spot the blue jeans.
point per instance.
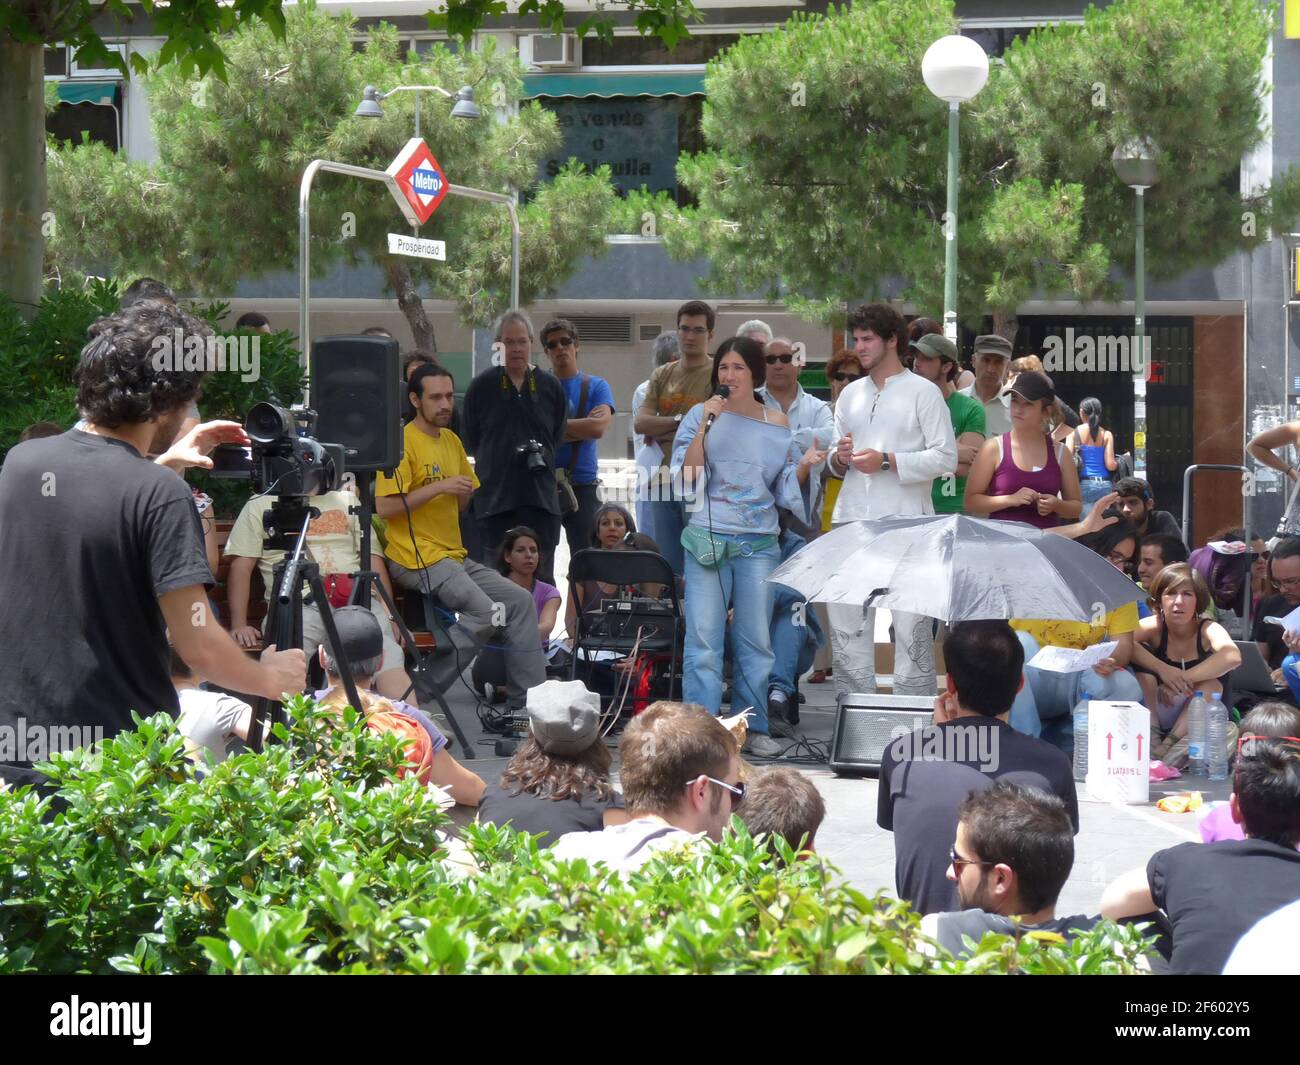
(740, 583)
(1291, 674)
(1092, 489)
(669, 519)
(796, 632)
(1043, 706)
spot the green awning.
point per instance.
(683, 83)
(89, 92)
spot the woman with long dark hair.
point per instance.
(517, 559)
(739, 462)
(1094, 451)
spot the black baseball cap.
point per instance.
(359, 633)
(1032, 386)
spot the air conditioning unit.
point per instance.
(554, 49)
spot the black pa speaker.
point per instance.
(356, 391)
(866, 724)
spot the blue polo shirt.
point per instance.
(598, 394)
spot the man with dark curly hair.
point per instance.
(101, 553)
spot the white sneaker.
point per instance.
(762, 746)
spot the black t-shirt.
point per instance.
(1213, 893)
(1273, 606)
(528, 813)
(949, 928)
(924, 777)
(498, 419)
(1164, 523)
(91, 534)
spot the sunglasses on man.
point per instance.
(737, 790)
(958, 861)
(559, 342)
(787, 358)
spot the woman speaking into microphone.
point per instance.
(737, 462)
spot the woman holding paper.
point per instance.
(1177, 652)
(1055, 684)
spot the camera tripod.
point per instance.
(286, 526)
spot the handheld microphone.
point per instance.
(724, 391)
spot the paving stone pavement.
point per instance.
(1112, 839)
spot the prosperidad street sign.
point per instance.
(420, 182)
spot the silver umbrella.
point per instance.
(957, 568)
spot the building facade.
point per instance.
(1221, 337)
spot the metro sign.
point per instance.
(418, 183)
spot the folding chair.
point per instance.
(629, 622)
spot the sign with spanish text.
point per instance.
(1119, 752)
(417, 247)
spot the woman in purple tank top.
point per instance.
(1018, 477)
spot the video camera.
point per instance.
(285, 459)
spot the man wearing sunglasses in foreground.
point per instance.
(680, 773)
(1012, 856)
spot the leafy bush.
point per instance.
(38, 358)
(313, 857)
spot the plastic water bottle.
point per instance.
(1197, 711)
(1216, 738)
(1081, 736)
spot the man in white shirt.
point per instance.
(992, 360)
(893, 437)
(680, 772)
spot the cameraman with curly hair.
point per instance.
(101, 551)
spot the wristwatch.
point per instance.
(884, 462)
(677, 418)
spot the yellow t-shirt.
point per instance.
(426, 459)
(334, 538)
(1079, 634)
(832, 486)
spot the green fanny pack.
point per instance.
(710, 550)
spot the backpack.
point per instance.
(1225, 575)
(415, 740)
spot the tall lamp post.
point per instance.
(1136, 163)
(955, 69)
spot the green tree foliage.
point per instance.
(221, 204)
(193, 37)
(825, 177)
(313, 857)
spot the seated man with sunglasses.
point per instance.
(681, 782)
(1013, 854)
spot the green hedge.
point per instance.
(312, 857)
(38, 358)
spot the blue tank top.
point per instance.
(1094, 461)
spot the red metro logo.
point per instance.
(420, 182)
